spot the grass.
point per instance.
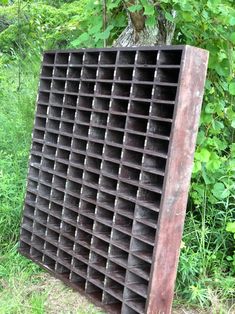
(25, 288)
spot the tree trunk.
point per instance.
(137, 33)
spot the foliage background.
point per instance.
(207, 263)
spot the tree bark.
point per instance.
(137, 33)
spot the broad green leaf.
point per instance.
(219, 191)
(203, 155)
(149, 10)
(230, 227)
(232, 37)
(169, 17)
(135, 8)
(231, 88)
(81, 39)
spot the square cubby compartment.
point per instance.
(83, 116)
(65, 258)
(38, 134)
(108, 57)
(167, 93)
(55, 112)
(85, 102)
(62, 270)
(103, 88)
(30, 197)
(38, 242)
(68, 114)
(53, 223)
(137, 124)
(81, 252)
(105, 73)
(47, 71)
(96, 277)
(72, 86)
(91, 57)
(149, 199)
(89, 73)
(44, 190)
(117, 121)
(123, 223)
(101, 103)
(35, 160)
(62, 58)
(60, 72)
(147, 216)
(78, 159)
(132, 157)
(142, 91)
(94, 291)
(104, 215)
(157, 145)
(68, 230)
(41, 109)
(83, 237)
(57, 99)
(115, 136)
(78, 280)
(134, 140)
(90, 177)
(152, 180)
(96, 133)
(142, 250)
(170, 57)
(58, 85)
(37, 147)
(160, 128)
(108, 183)
(122, 89)
(130, 174)
(167, 75)
(49, 57)
(137, 284)
(97, 261)
(118, 256)
(119, 105)
(39, 229)
(113, 152)
(114, 288)
(53, 124)
(70, 100)
(33, 172)
(57, 195)
(87, 208)
(126, 57)
(32, 185)
(116, 272)
(63, 154)
(93, 163)
(126, 208)
(139, 108)
(99, 118)
(124, 74)
(27, 223)
(100, 246)
(79, 145)
(110, 167)
(74, 73)
(120, 239)
(66, 127)
(48, 163)
(163, 111)
(70, 216)
(29, 210)
(61, 168)
(134, 303)
(46, 177)
(73, 187)
(38, 256)
(75, 173)
(66, 244)
(139, 267)
(89, 193)
(144, 74)
(81, 130)
(106, 199)
(45, 84)
(80, 267)
(65, 140)
(76, 58)
(56, 209)
(95, 148)
(40, 122)
(102, 231)
(144, 232)
(72, 201)
(43, 97)
(147, 57)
